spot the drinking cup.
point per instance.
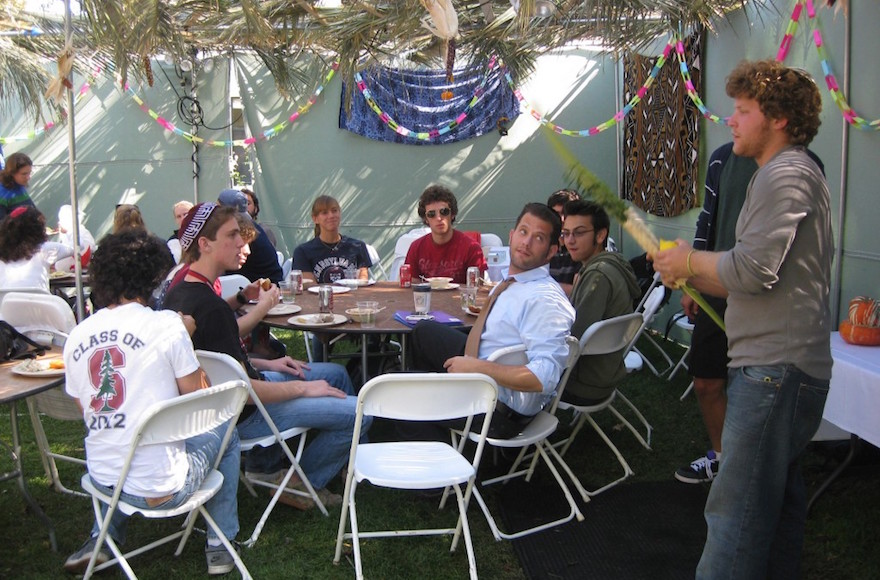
(288, 292)
(468, 297)
(367, 310)
(422, 298)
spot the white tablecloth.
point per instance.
(854, 399)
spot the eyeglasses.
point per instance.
(445, 212)
(578, 233)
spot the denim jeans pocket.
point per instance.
(766, 375)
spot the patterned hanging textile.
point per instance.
(661, 135)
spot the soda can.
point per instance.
(473, 276)
(325, 298)
(405, 276)
(296, 280)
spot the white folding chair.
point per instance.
(535, 434)
(490, 241)
(164, 422)
(377, 262)
(651, 303)
(602, 337)
(230, 284)
(417, 464)
(286, 267)
(26, 290)
(402, 247)
(221, 367)
(498, 260)
(32, 313)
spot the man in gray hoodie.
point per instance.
(605, 287)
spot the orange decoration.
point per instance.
(859, 335)
(864, 311)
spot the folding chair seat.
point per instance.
(602, 337)
(535, 434)
(39, 312)
(165, 422)
(417, 464)
(221, 367)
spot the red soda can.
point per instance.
(405, 276)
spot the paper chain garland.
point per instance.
(264, 135)
(849, 114)
(433, 133)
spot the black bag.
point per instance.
(15, 346)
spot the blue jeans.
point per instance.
(201, 452)
(757, 505)
(328, 449)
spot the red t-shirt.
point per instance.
(451, 259)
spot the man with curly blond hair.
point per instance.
(776, 279)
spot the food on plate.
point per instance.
(56, 364)
(474, 309)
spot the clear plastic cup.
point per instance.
(367, 310)
(468, 297)
(422, 298)
(288, 292)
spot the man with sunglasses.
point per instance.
(445, 251)
(605, 287)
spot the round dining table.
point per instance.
(391, 299)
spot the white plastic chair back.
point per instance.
(164, 422)
(286, 267)
(280, 257)
(32, 311)
(490, 240)
(231, 283)
(221, 367)
(26, 289)
(176, 250)
(377, 263)
(417, 464)
(402, 247)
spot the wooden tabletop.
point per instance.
(389, 295)
(14, 386)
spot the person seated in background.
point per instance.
(605, 287)
(262, 261)
(65, 236)
(253, 210)
(329, 255)
(562, 267)
(151, 355)
(445, 251)
(14, 179)
(179, 210)
(25, 252)
(128, 218)
(318, 396)
(530, 309)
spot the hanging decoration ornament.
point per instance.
(689, 84)
(263, 136)
(445, 26)
(618, 116)
(837, 96)
(61, 81)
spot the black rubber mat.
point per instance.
(641, 530)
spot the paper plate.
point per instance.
(336, 289)
(450, 286)
(281, 309)
(317, 320)
(36, 368)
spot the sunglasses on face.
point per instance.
(445, 212)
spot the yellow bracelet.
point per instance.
(690, 270)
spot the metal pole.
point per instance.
(836, 281)
(71, 165)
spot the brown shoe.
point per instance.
(305, 503)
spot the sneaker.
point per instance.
(700, 470)
(219, 559)
(79, 560)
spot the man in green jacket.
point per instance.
(605, 287)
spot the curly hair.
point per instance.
(562, 197)
(128, 218)
(254, 200)
(433, 194)
(22, 234)
(781, 93)
(128, 265)
(13, 164)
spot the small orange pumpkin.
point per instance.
(858, 334)
(864, 311)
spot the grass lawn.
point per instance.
(840, 543)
